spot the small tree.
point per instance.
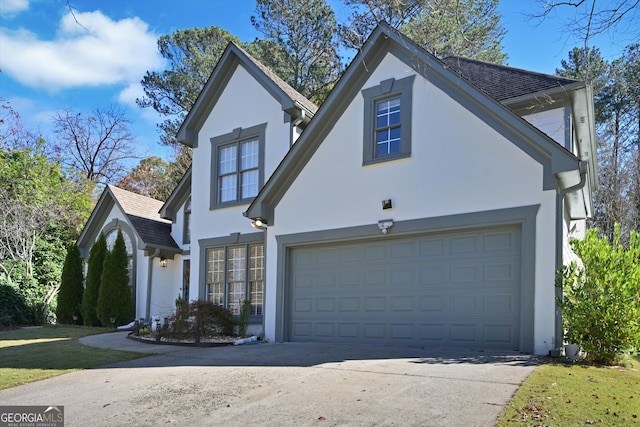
(71, 287)
(114, 300)
(94, 273)
(601, 299)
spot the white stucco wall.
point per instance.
(234, 109)
(551, 122)
(458, 165)
(167, 284)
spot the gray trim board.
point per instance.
(387, 89)
(177, 197)
(524, 216)
(98, 216)
(232, 239)
(186, 226)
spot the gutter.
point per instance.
(559, 245)
(147, 312)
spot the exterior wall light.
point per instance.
(384, 225)
(259, 223)
(163, 262)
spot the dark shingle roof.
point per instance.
(153, 233)
(143, 212)
(502, 82)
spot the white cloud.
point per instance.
(93, 51)
(129, 94)
(10, 8)
(128, 97)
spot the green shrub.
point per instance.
(601, 299)
(71, 287)
(13, 307)
(94, 273)
(114, 298)
(200, 319)
(243, 320)
(144, 332)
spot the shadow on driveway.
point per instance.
(301, 354)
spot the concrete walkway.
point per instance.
(289, 384)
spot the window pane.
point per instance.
(256, 275)
(236, 264)
(228, 189)
(228, 159)
(387, 113)
(111, 240)
(257, 292)
(256, 262)
(236, 296)
(394, 112)
(215, 276)
(249, 183)
(216, 293)
(249, 155)
(215, 265)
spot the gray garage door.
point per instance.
(449, 289)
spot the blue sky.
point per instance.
(49, 62)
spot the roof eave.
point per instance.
(555, 158)
(230, 59)
(105, 203)
(533, 99)
(169, 208)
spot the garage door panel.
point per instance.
(459, 288)
(500, 303)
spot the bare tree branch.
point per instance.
(96, 145)
(595, 17)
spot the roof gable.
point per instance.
(137, 204)
(142, 213)
(384, 40)
(291, 101)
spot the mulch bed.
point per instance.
(216, 342)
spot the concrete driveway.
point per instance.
(289, 384)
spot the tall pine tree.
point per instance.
(94, 273)
(71, 287)
(114, 300)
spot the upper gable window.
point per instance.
(387, 120)
(237, 166)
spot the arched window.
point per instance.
(111, 239)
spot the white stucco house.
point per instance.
(426, 202)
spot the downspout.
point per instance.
(147, 313)
(560, 245)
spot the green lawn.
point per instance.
(558, 394)
(28, 355)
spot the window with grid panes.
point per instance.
(387, 120)
(234, 274)
(237, 166)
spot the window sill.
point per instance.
(384, 159)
